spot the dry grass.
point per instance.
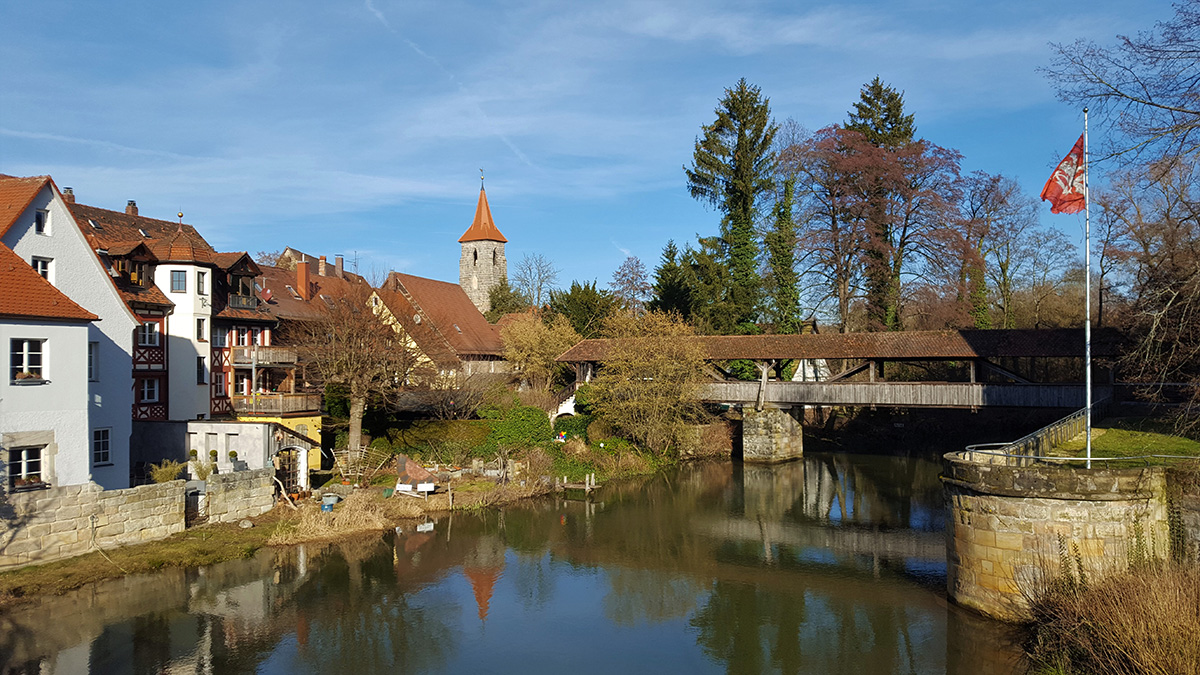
(1144, 621)
(360, 512)
(166, 471)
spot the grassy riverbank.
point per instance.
(1131, 437)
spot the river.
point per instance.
(832, 564)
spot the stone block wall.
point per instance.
(771, 435)
(240, 494)
(1008, 527)
(46, 525)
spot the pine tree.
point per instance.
(731, 167)
(781, 258)
(879, 117)
(671, 292)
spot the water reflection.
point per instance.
(832, 564)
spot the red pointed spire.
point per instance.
(483, 228)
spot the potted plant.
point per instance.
(26, 375)
(233, 455)
(193, 455)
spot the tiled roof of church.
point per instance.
(27, 294)
(483, 228)
(452, 313)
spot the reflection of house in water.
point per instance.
(483, 567)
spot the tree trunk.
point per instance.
(357, 405)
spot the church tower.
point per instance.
(482, 265)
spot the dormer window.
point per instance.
(143, 233)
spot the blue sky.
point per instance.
(360, 127)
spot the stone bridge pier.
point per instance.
(771, 434)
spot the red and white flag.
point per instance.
(1065, 190)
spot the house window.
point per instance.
(201, 288)
(201, 333)
(201, 371)
(149, 391)
(178, 281)
(218, 383)
(26, 359)
(93, 368)
(100, 447)
(41, 221)
(25, 466)
(258, 336)
(138, 275)
(41, 266)
(147, 334)
(243, 337)
(220, 336)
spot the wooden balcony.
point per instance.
(276, 404)
(266, 356)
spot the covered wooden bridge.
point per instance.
(993, 368)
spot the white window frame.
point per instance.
(218, 379)
(201, 329)
(93, 364)
(41, 222)
(179, 281)
(148, 329)
(43, 266)
(147, 389)
(102, 446)
(201, 370)
(220, 336)
(22, 364)
(201, 286)
(20, 465)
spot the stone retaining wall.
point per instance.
(771, 435)
(45, 525)
(240, 494)
(1008, 527)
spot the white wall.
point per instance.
(186, 399)
(54, 412)
(77, 272)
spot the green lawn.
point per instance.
(1131, 437)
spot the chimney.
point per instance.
(338, 262)
(131, 208)
(68, 195)
(302, 278)
(321, 267)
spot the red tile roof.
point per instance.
(170, 242)
(16, 194)
(451, 312)
(428, 339)
(483, 228)
(908, 345)
(285, 305)
(27, 295)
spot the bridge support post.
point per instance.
(771, 435)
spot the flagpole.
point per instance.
(1087, 292)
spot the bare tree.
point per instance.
(349, 346)
(534, 277)
(1147, 86)
(631, 284)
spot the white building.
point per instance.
(38, 226)
(45, 435)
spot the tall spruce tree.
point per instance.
(879, 117)
(781, 260)
(731, 167)
(671, 292)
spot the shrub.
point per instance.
(201, 470)
(165, 471)
(520, 426)
(574, 426)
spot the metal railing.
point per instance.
(242, 301)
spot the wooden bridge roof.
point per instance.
(893, 346)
